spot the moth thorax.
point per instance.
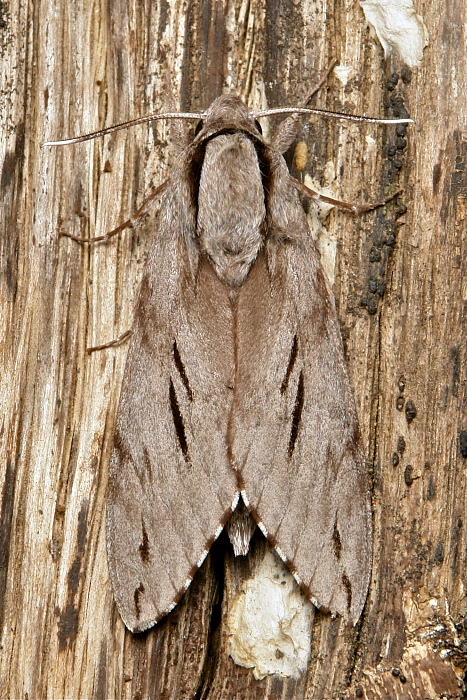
(240, 528)
(231, 208)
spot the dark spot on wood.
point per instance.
(6, 519)
(181, 370)
(456, 369)
(336, 542)
(67, 627)
(68, 621)
(8, 169)
(400, 403)
(395, 459)
(348, 588)
(82, 526)
(410, 411)
(408, 475)
(401, 445)
(462, 445)
(101, 684)
(430, 489)
(454, 548)
(178, 423)
(436, 177)
(73, 577)
(438, 556)
(406, 75)
(136, 596)
(290, 366)
(297, 415)
(144, 546)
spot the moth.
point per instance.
(235, 397)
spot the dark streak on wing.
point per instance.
(178, 422)
(293, 357)
(136, 597)
(336, 541)
(181, 371)
(297, 415)
(144, 546)
(122, 450)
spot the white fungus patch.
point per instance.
(398, 27)
(343, 74)
(270, 623)
(318, 213)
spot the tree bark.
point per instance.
(399, 280)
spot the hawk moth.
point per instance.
(235, 393)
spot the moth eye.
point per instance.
(258, 126)
(199, 126)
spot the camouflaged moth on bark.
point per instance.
(235, 396)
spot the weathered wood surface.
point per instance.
(68, 68)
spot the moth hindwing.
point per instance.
(235, 383)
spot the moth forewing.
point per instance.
(169, 458)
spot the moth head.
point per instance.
(227, 113)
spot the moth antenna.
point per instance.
(125, 125)
(326, 113)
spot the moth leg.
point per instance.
(111, 343)
(354, 208)
(287, 130)
(129, 223)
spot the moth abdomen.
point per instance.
(240, 528)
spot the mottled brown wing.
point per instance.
(294, 431)
(171, 486)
